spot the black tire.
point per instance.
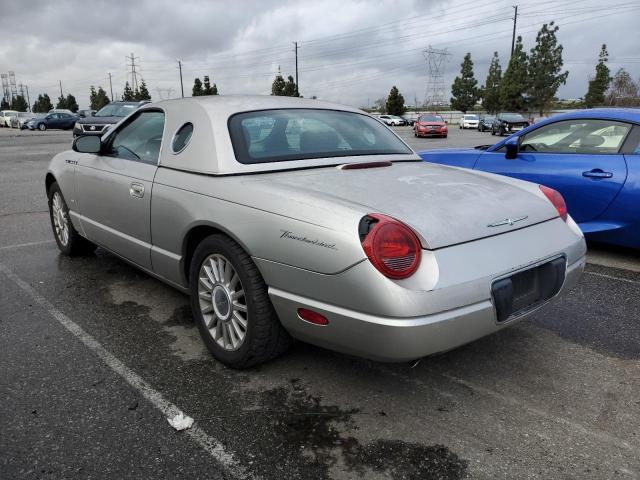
(493, 132)
(265, 337)
(42, 127)
(76, 243)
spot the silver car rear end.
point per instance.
(448, 302)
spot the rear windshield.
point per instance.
(430, 118)
(299, 134)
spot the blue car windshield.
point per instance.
(300, 134)
(116, 110)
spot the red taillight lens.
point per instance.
(392, 247)
(556, 199)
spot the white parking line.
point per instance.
(211, 445)
(30, 244)
(611, 277)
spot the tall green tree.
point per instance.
(71, 102)
(491, 93)
(62, 102)
(143, 92)
(42, 104)
(515, 81)
(20, 104)
(395, 102)
(4, 105)
(197, 89)
(208, 88)
(97, 99)
(278, 85)
(599, 84)
(128, 94)
(290, 87)
(464, 91)
(545, 68)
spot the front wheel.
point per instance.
(231, 306)
(69, 241)
(42, 127)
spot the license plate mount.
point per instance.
(524, 290)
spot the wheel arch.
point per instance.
(195, 235)
(49, 180)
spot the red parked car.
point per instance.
(430, 125)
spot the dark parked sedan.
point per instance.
(507, 123)
(64, 121)
(485, 123)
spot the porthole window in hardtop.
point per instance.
(182, 137)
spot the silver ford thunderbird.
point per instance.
(288, 218)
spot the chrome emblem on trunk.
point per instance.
(507, 221)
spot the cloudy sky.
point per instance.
(349, 51)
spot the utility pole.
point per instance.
(181, 84)
(296, 50)
(28, 100)
(111, 87)
(61, 95)
(513, 36)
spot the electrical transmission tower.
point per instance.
(133, 73)
(5, 87)
(12, 85)
(165, 93)
(436, 62)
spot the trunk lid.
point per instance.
(444, 205)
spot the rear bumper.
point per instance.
(399, 339)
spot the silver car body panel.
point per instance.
(301, 229)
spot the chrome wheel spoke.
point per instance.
(239, 307)
(240, 321)
(207, 309)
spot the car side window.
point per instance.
(139, 139)
(584, 136)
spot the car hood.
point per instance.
(99, 120)
(444, 205)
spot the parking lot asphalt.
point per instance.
(94, 355)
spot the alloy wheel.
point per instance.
(60, 219)
(222, 301)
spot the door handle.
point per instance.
(597, 173)
(136, 190)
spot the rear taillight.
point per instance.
(392, 247)
(556, 199)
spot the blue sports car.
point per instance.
(592, 157)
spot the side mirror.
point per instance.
(512, 146)
(87, 144)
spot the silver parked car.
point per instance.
(284, 217)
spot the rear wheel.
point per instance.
(69, 241)
(231, 306)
